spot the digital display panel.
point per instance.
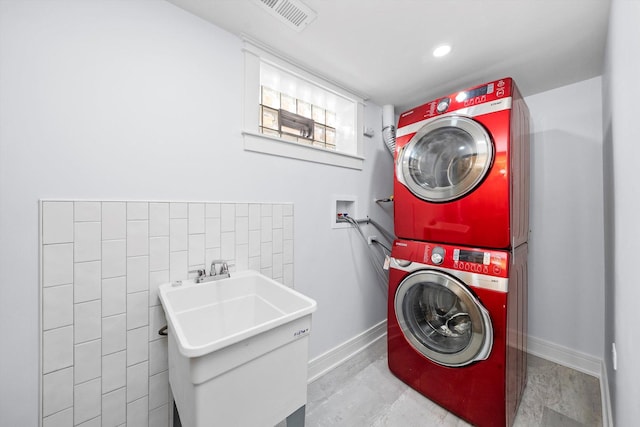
(477, 92)
(471, 256)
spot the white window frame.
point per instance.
(254, 140)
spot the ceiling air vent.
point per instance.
(292, 12)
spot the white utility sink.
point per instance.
(238, 349)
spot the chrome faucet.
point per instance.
(214, 274)
(224, 268)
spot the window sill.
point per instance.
(254, 141)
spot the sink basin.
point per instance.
(235, 344)
(208, 316)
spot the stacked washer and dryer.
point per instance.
(457, 314)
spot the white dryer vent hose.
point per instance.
(389, 128)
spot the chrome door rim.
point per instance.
(482, 163)
(480, 344)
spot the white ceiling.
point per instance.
(381, 49)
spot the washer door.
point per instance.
(446, 159)
(442, 319)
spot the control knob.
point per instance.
(437, 255)
(443, 104)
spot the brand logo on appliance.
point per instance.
(301, 332)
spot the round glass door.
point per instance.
(442, 319)
(446, 159)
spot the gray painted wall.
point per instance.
(621, 154)
(566, 268)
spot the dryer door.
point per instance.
(442, 319)
(446, 159)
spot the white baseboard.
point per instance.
(565, 356)
(607, 413)
(561, 355)
(322, 364)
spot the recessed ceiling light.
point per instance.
(441, 50)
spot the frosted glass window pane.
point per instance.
(270, 98)
(304, 109)
(269, 118)
(330, 137)
(318, 114)
(331, 119)
(319, 133)
(288, 103)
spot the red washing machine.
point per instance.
(462, 169)
(457, 325)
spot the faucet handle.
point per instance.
(200, 272)
(224, 267)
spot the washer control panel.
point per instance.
(477, 261)
(474, 260)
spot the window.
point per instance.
(295, 120)
(293, 113)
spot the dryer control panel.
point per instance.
(473, 260)
(488, 92)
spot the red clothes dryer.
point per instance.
(462, 169)
(457, 324)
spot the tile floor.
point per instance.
(363, 393)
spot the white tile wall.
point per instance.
(114, 371)
(86, 281)
(159, 417)
(103, 362)
(57, 260)
(57, 390)
(57, 306)
(114, 220)
(57, 349)
(87, 321)
(87, 241)
(87, 361)
(57, 222)
(114, 407)
(138, 412)
(114, 296)
(114, 333)
(87, 400)
(59, 419)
